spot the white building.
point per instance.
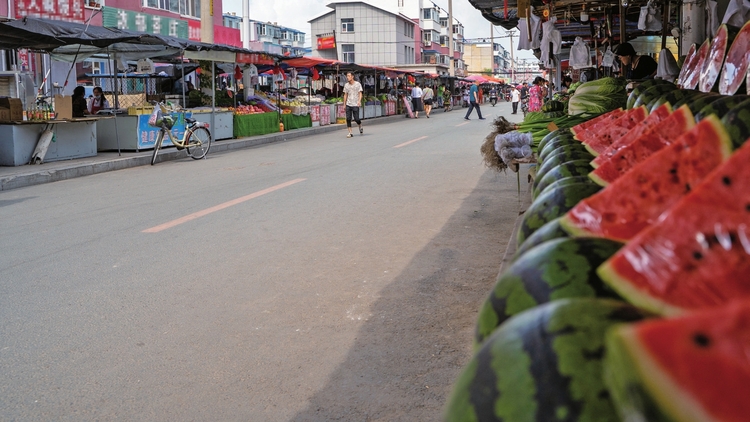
(270, 37)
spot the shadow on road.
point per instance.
(408, 354)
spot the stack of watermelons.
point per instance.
(628, 297)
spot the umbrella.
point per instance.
(478, 78)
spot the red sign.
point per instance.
(23, 58)
(254, 58)
(315, 113)
(64, 10)
(325, 115)
(325, 43)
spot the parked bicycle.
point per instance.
(196, 140)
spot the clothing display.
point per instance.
(550, 34)
(536, 37)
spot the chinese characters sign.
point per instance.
(143, 22)
(64, 10)
(325, 43)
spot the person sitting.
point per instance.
(98, 102)
(79, 102)
(633, 65)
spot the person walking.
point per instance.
(474, 101)
(446, 99)
(515, 97)
(416, 100)
(428, 97)
(536, 94)
(352, 101)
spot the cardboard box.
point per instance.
(4, 114)
(63, 107)
(15, 106)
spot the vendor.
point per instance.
(98, 102)
(634, 66)
(79, 102)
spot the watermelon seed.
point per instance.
(701, 340)
(747, 207)
(726, 180)
(687, 187)
(697, 255)
(671, 171)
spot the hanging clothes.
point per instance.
(712, 18)
(536, 32)
(580, 54)
(738, 12)
(550, 34)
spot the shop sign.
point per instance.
(147, 134)
(315, 113)
(62, 10)
(143, 22)
(255, 58)
(194, 30)
(23, 58)
(325, 115)
(326, 43)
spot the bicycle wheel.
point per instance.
(198, 142)
(157, 145)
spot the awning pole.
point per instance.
(117, 105)
(213, 98)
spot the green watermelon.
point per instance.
(653, 93)
(553, 105)
(691, 368)
(598, 142)
(557, 143)
(675, 98)
(721, 106)
(557, 269)
(570, 180)
(562, 154)
(696, 255)
(697, 103)
(544, 364)
(597, 122)
(636, 199)
(643, 86)
(620, 161)
(550, 231)
(554, 134)
(567, 169)
(736, 123)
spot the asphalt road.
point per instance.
(318, 279)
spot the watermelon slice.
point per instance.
(636, 200)
(692, 368)
(736, 63)
(599, 121)
(715, 59)
(686, 66)
(597, 142)
(693, 75)
(660, 114)
(697, 255)
(659, 136)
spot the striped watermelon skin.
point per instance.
(550, 231)
(676, 98)
(544, 364)
(558, 269)
(567, 169)
(691, 368)
(565, 181)
(640, 149)
(637, 199)
(557, 143)
(643, 86)
(721, 106)
(561, 155)
(565, 132)
(708, 237)
(653, 93)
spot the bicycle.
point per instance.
(196, 140)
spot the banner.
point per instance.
(327, 42)
(254, 58)
(143, 22)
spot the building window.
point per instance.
(347, 25)
(409, 29)
(444, 22)
(93, 4)
(261, 29)
(443, 40)
(347, 53)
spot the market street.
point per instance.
(318, 279)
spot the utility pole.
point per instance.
(451, 68)
(512, 59)
(492, 48)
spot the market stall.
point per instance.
(75, 138)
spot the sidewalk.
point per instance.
(29, 175)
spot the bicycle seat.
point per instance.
(190, 120)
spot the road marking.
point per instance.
(464, 123)
(409, 142)
(219, 207)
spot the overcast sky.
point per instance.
(296, 14)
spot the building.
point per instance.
(480, 58)
(413, 38)
(270, 37)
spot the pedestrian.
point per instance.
(474, 101)
(515, 97)
(524, 90)
(352, 101)
(446, 99)
(536, 93)
(439, 96)
(416, 100)
(428, 97)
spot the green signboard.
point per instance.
(143, 22)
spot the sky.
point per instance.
(296, 14)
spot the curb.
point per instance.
(38, 174)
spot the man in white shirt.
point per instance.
(515, 97)
(416, 100)
(352, 101)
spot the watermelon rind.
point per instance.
(567, 169)
(562, 155)
(625, 289)
(653, 93)
(564, 182)
(720, 107)
(550, 231)
(553, 144)
(736, 123)
(637, 91)
(639, 387)
(552, 135)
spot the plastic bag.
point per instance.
(667, 68)
(649, 18)
(513, 145)
(609, 58)
(580, 55)
(156, 117)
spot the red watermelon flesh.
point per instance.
(597, 121)
(636, 199)
(686, 65)
(691, 368)
(715, 58)
(659, 136)
(659, 115)
(693, 75)
(603, 138)
(698, 254)
(736, 63)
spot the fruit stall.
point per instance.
(623, 295)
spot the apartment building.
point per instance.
(270, 37)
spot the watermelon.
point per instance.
(638, 90)
(636, 199)
(653, 93)
(550, 231)
(736, 123)
(544, 364)
(687, 65)
(598, 142)
(622, 160)
(709, 78)
(567, 169)
(674, 97)
(699, 102)
(653, 118)
(554, 144)
(721, 106)
(597, 122)
(557, 269)
(692, 78)
(552, 135)
(551, 204)
(566, 181)
(696, 255)
(736, 63)
(691, 368)
(562, 154)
